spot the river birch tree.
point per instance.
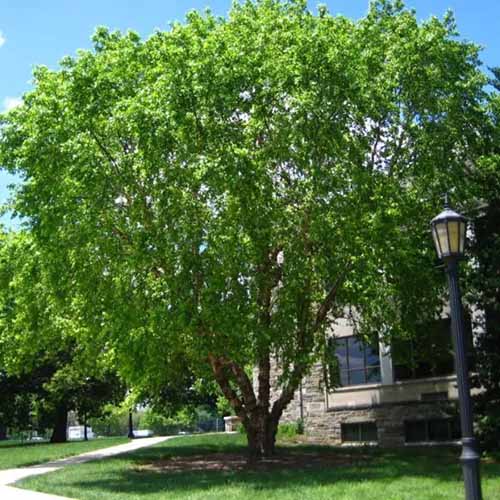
(223, 191)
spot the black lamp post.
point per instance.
(448, 231)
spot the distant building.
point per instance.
(77, 432)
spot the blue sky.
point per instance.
(42, 32)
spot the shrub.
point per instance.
(300, 426)
(488, 430)
(288, 430)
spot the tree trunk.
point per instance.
(261, 430)
(269, 444)
(3, 432)
(254, 440)
(260, 423)
(59, 434)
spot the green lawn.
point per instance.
(18, 454)
(416, 474)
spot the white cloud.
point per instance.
(11, 103)
(2, 39)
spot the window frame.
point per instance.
(416, 365)
(366, 367)
(451, 422)
(358, 426)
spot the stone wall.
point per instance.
(389, 419)
(322, 420)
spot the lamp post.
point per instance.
(448, 232)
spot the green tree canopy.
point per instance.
(48, 369)
(483, 278)
(220, 193)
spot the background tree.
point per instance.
(16, 398)
(95, 393)
(72, 389)
(46, 369)
(484, 278)
(222, 192)
(185, 392)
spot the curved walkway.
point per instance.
(10, 476)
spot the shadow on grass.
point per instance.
(5, 445)
(382, 467)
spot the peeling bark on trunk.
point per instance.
(269, 444)
(254, 442)
(260, 423)
(261, 429)
(60, 425)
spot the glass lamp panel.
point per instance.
(454, 235)
(462, 236)
(436, 241)
(442, 235)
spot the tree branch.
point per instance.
(105, 152)
(264, 377)
(272, 274)
(327, 304)
(245, 385)
(287, 394)
(223, 381)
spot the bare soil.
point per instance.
(230, 462)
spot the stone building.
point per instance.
(395, 395)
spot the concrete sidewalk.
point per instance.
(10, 476)
(8, 493)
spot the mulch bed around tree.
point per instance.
(238, 462)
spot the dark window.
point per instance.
(353, 362)
(359, 432)
(456, 431)
(428, 354)
(416, 432)
(436, 429)
(434, 396)
(439, 430)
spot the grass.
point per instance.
(416, 474)
(20, 454)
